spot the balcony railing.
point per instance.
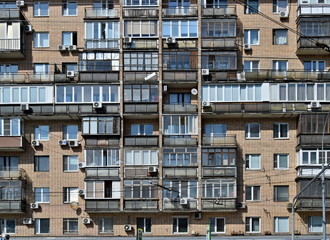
(140, 76)
(181, 172)
(101, 172)
(7, 44)
(310, 171)
(13, 143)
(175, 205)
(179, 11)
(219, 171)
(221, 42)
(140, 12)
(13, 173)
(141, 141)
(101, 142)
(219, 204)
(141, 108)
(175, 76)
(180, 43)
(311, 204)
(102, 205)
(169, 141)
(101, 44)
(101, 13)
(143, 205)
(142, 44)
(8, 14)
(12, 206)
(221, 140)
(137, 172)
(180, 108)
(313, 9)
(214, 10)
(99, 77)
(313, 140)
(308, 47)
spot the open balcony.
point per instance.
(98, 77)
(141, 205)
(102, 173)
(219, 172)
(219, 204)
(179, 11)
(99, 13)
(308, 47)
(171, 141)
(13, 143)
(132, 77)
(212, 10)
(141, 141)
(179, 172)
(11, 48)
(179, 76)
(180, 44)
(180, 108)
(140, 12)
(313, 140)
(176, 205)
(310, 171)
(313, 9)
(131, 108)
(101, 206)
(221, 140)
(221, 42)
(312, 204)
(138, 43)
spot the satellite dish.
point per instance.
(194, 91)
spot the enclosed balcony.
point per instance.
(180, 142)
(101, 206)
(213, 10)
(10, 14)
(219, 204)
(141, 205)
(141, 141)
(179, 11)
(13, 143)
(102, 173)
(219, 140)
(316, 46)
(100, 13)
(316, 9)
(180, 108)
(219, 171)
(12, 196)
(140, 12)
(179, 172)
(182, 204)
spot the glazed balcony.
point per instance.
(140, 13)
(225, 140)
(219, 204)
(8, 188)
(11, 48)
(179, 11)
(101, 173)
(99, 13)
(219, 171)
(101, 206)
(308, 47)
(13, 143)
(141, 205)
(313, 9)
(141, 141)
(211, 10)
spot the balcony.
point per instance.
(313, 140)
(91, 13)
(179, 76)
(102, 172)
(136, 172)
(216, 11)
(180, 108)
(82, 108)
(13, 144)
(142, 205)
(219, 171)
(313, 9)
(225, 140)
(140, 76)
(131, 108)
(11, 48)
(40, 78)
(12, 78)
(13, 174)
(9, 14)
(179, 172)
(101, 44)
(312, 204)
(101, 206)
(181, 43)
(98, 77)
(219, 204)
(221, 42)
(142, 44)
(101, 142)
(140, 13)
(179, 11)
(308, 47)
(12, 206)
(310, 171)
(177, 142)
(175, 205)
(141, 141)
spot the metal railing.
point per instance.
(101, 43)
(219, 140)
(218, 10)
(101, 13)
(313, 9)
(10, 44)
(138, 12)
(179, 11)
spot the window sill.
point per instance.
(253, 138)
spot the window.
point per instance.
(99, 61)
(251, 36)
(180, 225)
(7, 5)
(41, 68)
(314, 157)
(215, 129)
(136, 189)
(280, 5)
(41, 163)
(102, 157)
(41, 133)
(70, 225)
(280, 36)
(101, 35)
(26, 94)
(41, 194)
(11, 191)
(141, 93)
(179, 60)
(280, 65)
(315, 28)
(315, 224)
(42, 225)
(252, 130)
(252, 224)
(218, 225)
(141, 2)
(70, 163)
(252, 193)
(8, 69)
(9, 163)
(181, 125)
(69, 67)
(70, 194)
(144, 224)
(40, 8)
(281, 224)
(140, 28)
(41, 39)
(103, 4)
(141, 61)
(183, 189)
(70, 132)
(141, 157)
(105, 225)
(179, 156)
(69, 8)
(281, 193)
(10, 127)
(281, 161)
(218, 156)
(252, 6)
(218, 28)
(180, 98)
(219, 60)
(141, 129)
(180, 28)
(102, 190)
(69, 38)
(101, 125)
(314, 66)
(281, 130)
(8, 226)
(252, 161)
(251, 66)
(219, 188)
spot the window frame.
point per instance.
(215, 220)
(37, 11)
(276, 224)
(73, 38)
(179, 156)
(4, 225)
(38, 132)
(248, 159)
(40, 160)
(138, 189)
(176, 224)
(106, 156)
(278, 135)
(191, 31)
(277, 159)
(310, 224)
(142, 129)
(67, 162)
(276, 193)
(145, 228)
(131, 26)
(276, 36)
(11, 127)
(249, 224)
(190, 188)
(68, 224)
(151, 159)
(248, 127)
(254, 190)
(38, 42)
(276, 6)
(249, 65)
(67, 129)
(277, 64)
(248, 39)
(249, 10)
(66, 8)
(102, 226)
(38, 223)
(70, 194)
(44, 195)
(217, 187)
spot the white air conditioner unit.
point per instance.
(283, 14)
(194, 91)
(62, 48)
(198, 215)
(72, 47)
(34, 205)
(86, 220)
(35, 143)
(164, 88)
(247, 47)
(25, 107)
(170, 40)
(82, 165)
(183, 201)
(205, 72)
(74, 143)
(97, 104)
(314, 105)
(62, 142)
(20, 3)
(28, 28)
(27, 220)
(81, 192)
(128, 227)
(152, 169)
(127, 40)
(240, 76)
(206, 104)
(70, 74)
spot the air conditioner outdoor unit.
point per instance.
(283, 14)
(153, 169)
(27, 220)
(247, 47)
(315, 105)
(170, 40)
(62, 142)
(74, 143)
(197, 215)
(127, 40)
(35, 143)
(62, 48)
(82, 165)
(183, 201)
(206, 104)
(240, 76)
(205, 72)
(97, 104)
(20, 3)
(86, 220)
(128, 227)
(34, 205)
(81, 192)
(70, 74)
(73, 47)
(25, 107)
(28, 28)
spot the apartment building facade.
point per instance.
(162, 115)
